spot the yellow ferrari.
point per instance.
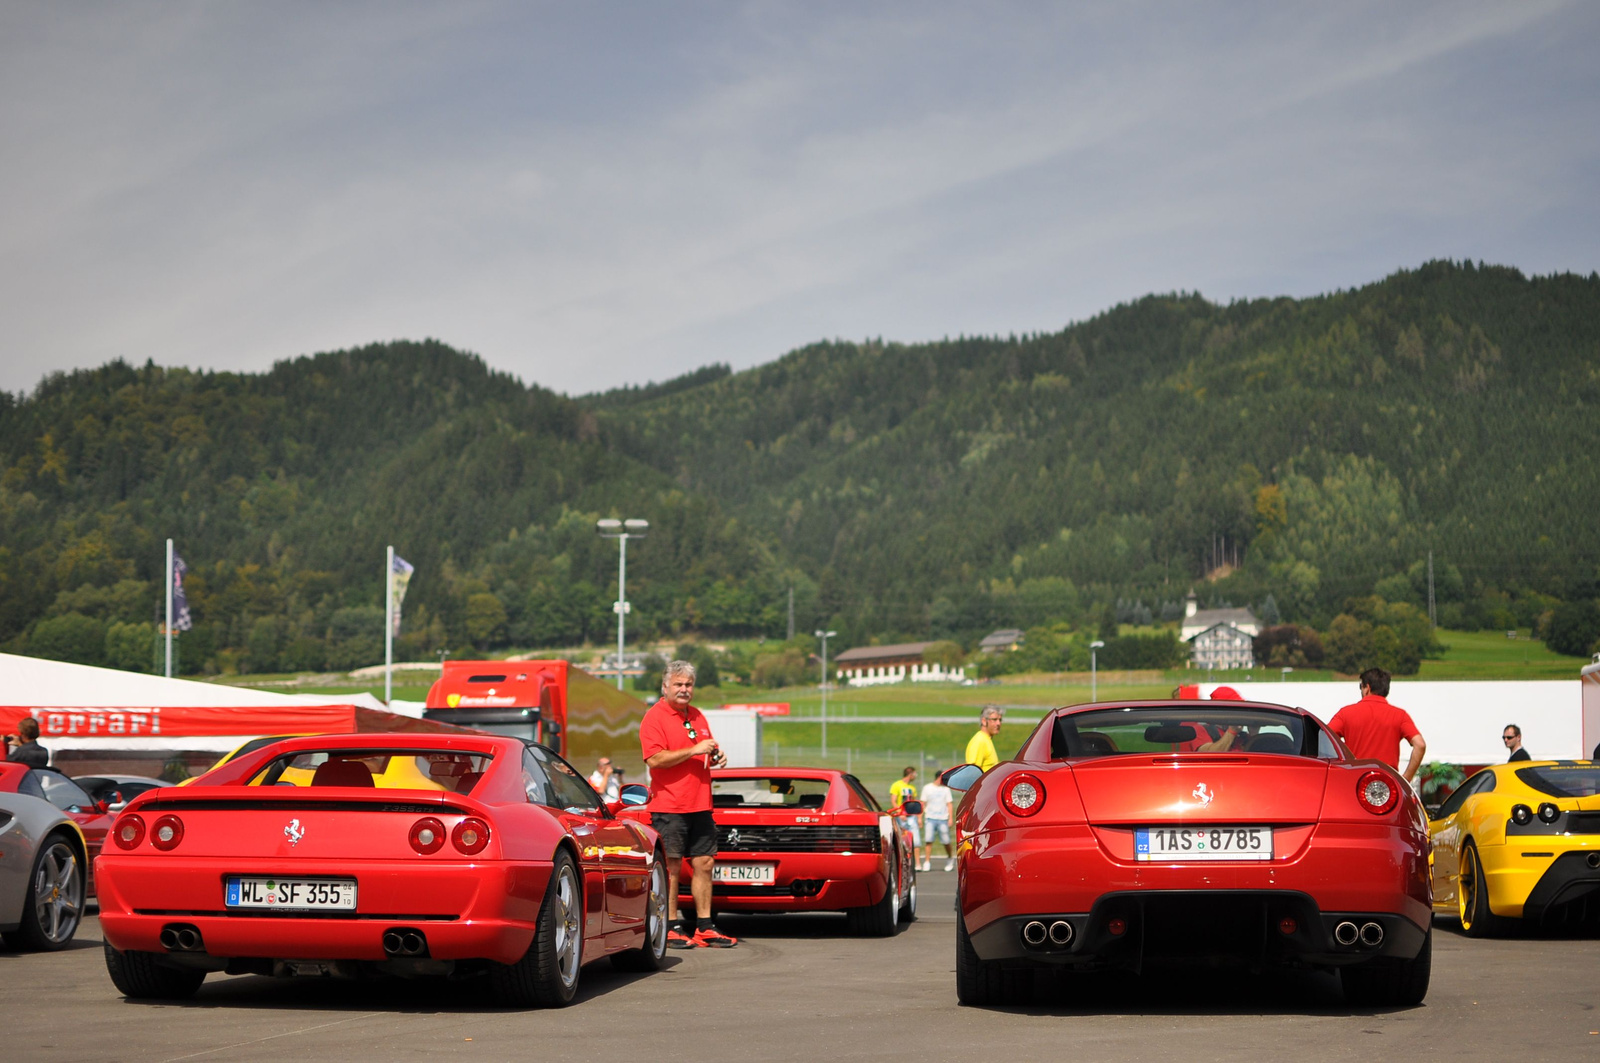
(395, 773)
(1519, 841)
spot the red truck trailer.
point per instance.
(551, 702)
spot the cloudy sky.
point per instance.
(592, 194)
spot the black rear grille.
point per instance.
(1583, 822)
(783, 838)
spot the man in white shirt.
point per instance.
(937, 801)
(605, 781)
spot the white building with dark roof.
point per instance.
(1219, 638)
(902, 662)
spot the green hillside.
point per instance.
(1299, 456)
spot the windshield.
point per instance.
(393, 769)
(1205, 727)
(769, 790)
(1575, 781)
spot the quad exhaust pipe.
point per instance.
(1035, 933)
(180, 937)
(404, 942)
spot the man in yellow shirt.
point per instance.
(980, 750)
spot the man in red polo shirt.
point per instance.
(1372, 728)
(680, 752)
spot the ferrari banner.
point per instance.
(186, 722)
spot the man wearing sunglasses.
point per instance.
(680, 752)
(1512, 737)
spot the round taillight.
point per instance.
(470, 835)
(1377, 792)
(166, 833)
(1549, 813)
(1022, 794)
(427, 835)
(1521, 815)
(129, 831)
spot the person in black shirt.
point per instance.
(24, 748)
(1512, 736)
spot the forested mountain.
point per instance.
(1288, 454)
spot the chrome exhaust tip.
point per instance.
(1371, 934)
(1034, 933)
(1346, 933)
(1593, 859)
(1060, 932)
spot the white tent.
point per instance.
(1460, 720)
(126, 701)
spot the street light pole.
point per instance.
(824, 636)
(1094, 670)
(621, 531)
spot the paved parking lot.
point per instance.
(798, 988)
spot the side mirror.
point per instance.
(633, 794)
(102, 807)
(912, 808)
(962, 777)
(615, 805)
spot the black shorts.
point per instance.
(686, 833)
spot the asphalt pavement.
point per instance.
(799, 988)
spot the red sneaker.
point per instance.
(677, 939)
(712, 938)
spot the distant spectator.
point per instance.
(606, 780)
(1372, 728)
(902, 790)
(980, 750)
(1225, 694)
(937, 801)
(1512, 737)
(24, 748)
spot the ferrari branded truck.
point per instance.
(551, 702)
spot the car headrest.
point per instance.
(342, 773)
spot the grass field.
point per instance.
(1491, 655)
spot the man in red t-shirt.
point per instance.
(1372, 728)
(680, 753)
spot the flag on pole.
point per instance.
(181, 621)
(402, 576)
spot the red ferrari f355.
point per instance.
(1133, 833)
(412, 855)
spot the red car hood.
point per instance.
(1202, 788)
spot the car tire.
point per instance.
(142, 976)
(1472, 898)
(648, 956)
(1390, 983)
(547, 974)
(980, 983)
(878, 920)
(52, 908)
(908, 911)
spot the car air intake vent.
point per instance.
(798, 838)
(1583, 822)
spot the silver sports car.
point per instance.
(43, 864)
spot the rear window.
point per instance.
(770, 790)
(1206, 727)
(1559, 781)
(390, 769)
